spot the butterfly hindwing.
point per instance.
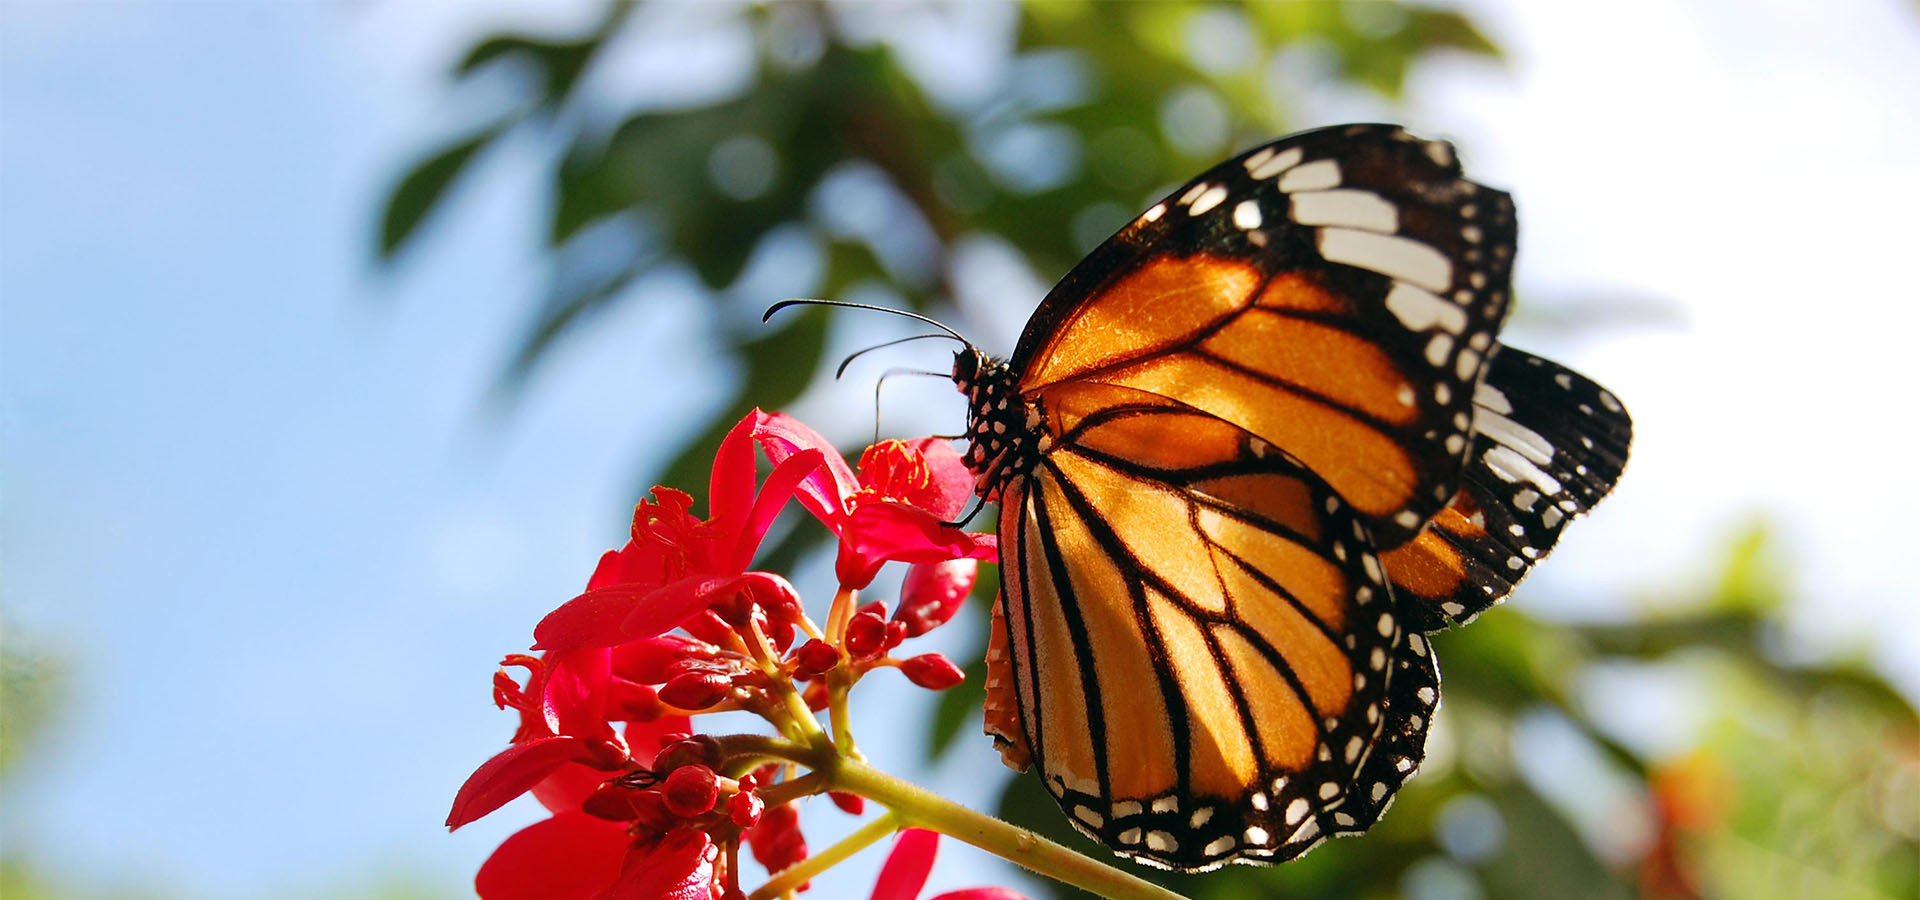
(1335, 293)
(1208, 663)
(1548, 445)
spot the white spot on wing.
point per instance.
(1209, 200)
(1489, 397)
(1401, 258)
(1524, 440)
(1272, 165)
(1467, 364)
(1352, 208)
(1314, 176)
(1247, 215)
(1420, 309)
(1511, 467)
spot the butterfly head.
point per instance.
(1006, 432)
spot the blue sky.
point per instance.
(249, 489)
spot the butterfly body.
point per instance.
(1246, 453)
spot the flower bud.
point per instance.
(605, 754)
(693, 750)
(932, 593)
(866, 636)
(695, 690)
(744, 809)
(651, 813)
(896, 632)
(813, 659)
(932, 671)
(851, 804)
(650, 660)
(614, 802)
(691, 791)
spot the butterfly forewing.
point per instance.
(1207, 659)
(1334, 293)
(1549, 445)
(1247, 451)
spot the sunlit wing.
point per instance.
(1548, 445)
(1334, 293)
(1208, 663)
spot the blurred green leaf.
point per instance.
(422, 189)
(30, 688)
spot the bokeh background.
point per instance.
(337, 341)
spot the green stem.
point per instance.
(840, 681)
(917, 806)
(801, 872)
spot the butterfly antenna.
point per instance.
(858, 353)
(885, 309)
(979, 503)
(882, 380)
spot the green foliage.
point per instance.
(29, 690)
(1161, 89)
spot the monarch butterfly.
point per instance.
(1247, 453)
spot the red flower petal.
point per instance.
(782, 482)
(646, 738)
(572, 856)
(510, 773)
(933, 592)
(575, 699)
(825, 492)
(877, 533)
(647, 660)
(664, 608)
(636, 563)
(983, 893)
(730, 487)
(907, 867)
(952, 484)
(677, 867)
(673, 604)
(592, 619)
(569, 786)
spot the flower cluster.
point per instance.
(676, 624)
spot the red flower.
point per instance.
(896, 509)
(677, 566)
(907, 867)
